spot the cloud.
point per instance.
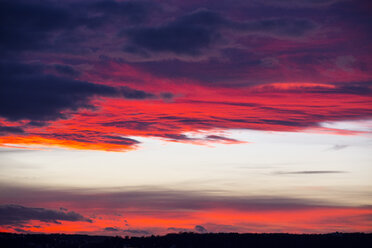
(66, 70)
(200, 229)
(129, 93)
(186, 35)
(211, 58)
(309, 172)
(28, 24)
(40, 25)
(119, 140)
(27, 93)
(280, 26)
(222, 139)
(191, 33)
(177, 229)
(132, 11)
(206, 139)
(160, 200)
(300, 3)
(20, 230)
(16, 215)
(111, 229)
(4, 130)
(338, 147)
(137, 232)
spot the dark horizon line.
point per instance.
(196, 233)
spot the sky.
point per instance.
(136, 118)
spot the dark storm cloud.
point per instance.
(27, 93)
(191, 33)
(18, 215)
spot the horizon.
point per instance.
(146, 117)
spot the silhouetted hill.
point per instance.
(188, 240)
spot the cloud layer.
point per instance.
(144, 211)
(93, 74)
(16, 215)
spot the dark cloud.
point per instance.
(349, 88)
(130, 93)
(91, 137)
(200, 229)
(186, 35)
(299, 3)
(111, 229)
(133, 125)
(220, 138)
(137, 232)
(66, 70)
(119, 140)
(160, 200)
(17, 215)
(27, 23)
(133, 11)
(354, 88)
(4, 130)
(198, 30)
(27, 93)
(39, 25)
(209, 138)
(281, 27)
(176, 229)
(175, 136)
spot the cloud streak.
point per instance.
(309, 172)
(15, 215)
(146, 199)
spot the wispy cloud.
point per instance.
(308, 172)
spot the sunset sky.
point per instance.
(135, 118)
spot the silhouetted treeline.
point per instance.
(188, 240)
